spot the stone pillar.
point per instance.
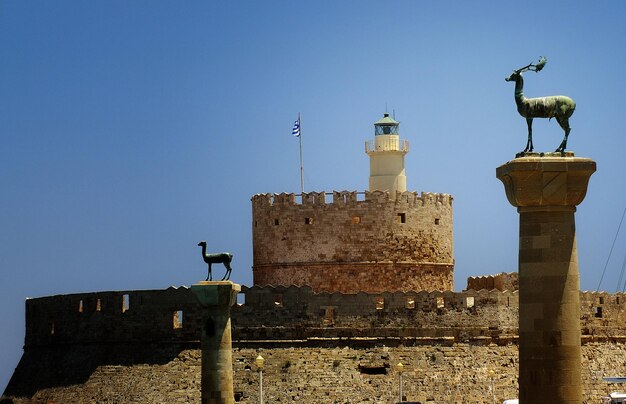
(545, 191)
(216, 299)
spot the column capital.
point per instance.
(546, 182)
(220, 293)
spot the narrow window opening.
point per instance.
(437, 221)
(440, 302)
(380, 303)
(276, 222)
(81, 306)
(178, 320)
(617, 300)
(98, 305)
(125, 303)
(255, 223)
(469, 301)
(360, 197)
(598, 312)
(372, 370)
(401, 217)
(410, 303)
(508, 301)
(601, 300)
(356, 219)
(278, 300)
(329, 316)
(308, 220)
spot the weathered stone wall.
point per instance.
(603, 314)
(435, 373)
(327, 339)
(150, 315)
(411, 234)
(502, 281)
(370, 277)
(172, 315)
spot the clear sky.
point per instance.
(129, 131)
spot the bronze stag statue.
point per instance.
(220, 258)
(556, 106)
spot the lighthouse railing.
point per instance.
(388, 144)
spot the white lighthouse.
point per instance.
(386, 153)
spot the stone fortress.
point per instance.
(346, 286)
(388, 240)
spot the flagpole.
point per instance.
(301, 165)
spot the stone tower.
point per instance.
(386, 154)
(381, 240)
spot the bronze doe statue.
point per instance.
(221, 258)
(556, 106)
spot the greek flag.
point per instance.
(296, 128)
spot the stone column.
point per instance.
(216, 299)
(546, 191)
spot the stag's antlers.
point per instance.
(532, 67)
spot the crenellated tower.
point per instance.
(382, 240)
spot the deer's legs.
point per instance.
(529, 143)
(564, 123)
(209, 277)
(228, 269)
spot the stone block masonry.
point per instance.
(90, 347)
(349, 245)
(457, 373)
(501, 281)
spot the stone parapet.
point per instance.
(173, 315)
(502, 281)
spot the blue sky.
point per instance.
(129, 131)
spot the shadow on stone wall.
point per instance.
(55, 366)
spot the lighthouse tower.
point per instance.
(384, 240)
(386, 153)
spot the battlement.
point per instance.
(298, 313)
(115, 316)
(350, 199)
(501, 281)
(354, 241)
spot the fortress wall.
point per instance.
(173, 316)
(360, 304)
(433, 374)
(603, 314)
(300, 313)
(150, 315)
(291, 240)
(501, 281)
(315, 344)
